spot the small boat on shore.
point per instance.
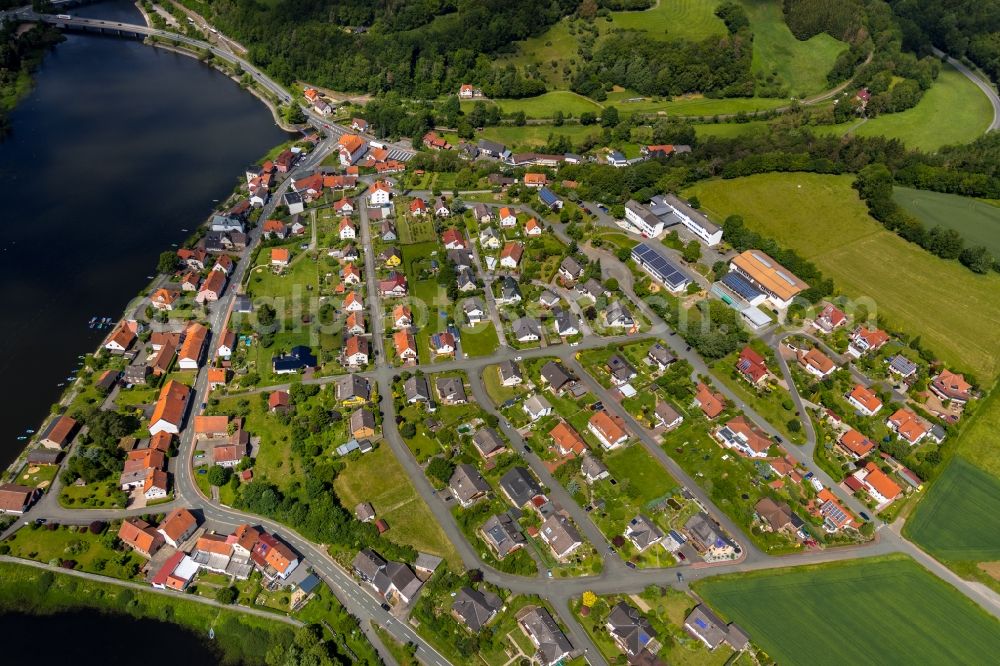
(21, 438)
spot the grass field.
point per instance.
(728, 130)
(929, 621)
(976, 220)
(545, 106)
(481, 342)
(378, 478)
(672, 19)
(822, 218)
(801, 65)
(952, 111)
(645, 475)
(535, 136)
(960, 517)
(691, 105)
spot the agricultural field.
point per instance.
(977, 220)
(800, 65)
(960, 517)
(822, 218)
(952, 111)
(930, 622)
(672, 19)
(378, 477)
(536, 136)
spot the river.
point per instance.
(117, 149)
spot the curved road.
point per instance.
(985, 86)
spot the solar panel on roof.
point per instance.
(761, 259)
(740, 285)
(656, 263)
(700, 623)
(785, 278)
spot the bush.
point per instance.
(97, 526)
(227, 595)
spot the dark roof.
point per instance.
(519, 485)
(630, 627)
(298, 357)
(475, 607)
(555, 375)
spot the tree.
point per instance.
(692, 251)
(294, 115)
(588, 118)
(611, 284)
(266, 315)
(557, 120)
(167, 262)
(588, 599)
(609, 117)
(408, 430)
(440, 469)
(227, 595)
(519, 118)
(219, 476)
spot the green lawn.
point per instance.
(646, 476)
(546, 105)
(960, 517)
(481, 342)
(67, 543)
(498, 392)
(952, 111)
(977, 220)
(800, 65)
(536, 136)
(822, 218)
(415, 230)
(728, 130)
(377, 477)
(846, 613)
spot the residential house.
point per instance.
(466, 280)
(387, 232)
(280, 257)
(706, 626)
(608, 428)
(355, 351)
(227, 344)
(405, 345)
(567, 440)
(745, 437)
(211, 427)
(593, 469)
(416, 390)
(233, 451)
(163, 299)
(526, 329)
(547, 299)
(178, 527)
(643, 533)
(140, 536)
(362, 424)
(536, 407)
(176, 573)
(355, 324)
(441, 207)
(830, 318)
(418, 206)
(434, 142)
(353, 302)
(566, 324)
(502, 535)
(557, 376)
(475, 609)
(193, 347)
(138, 464)
(630, 630)
(864, 400)
(865, 340)
(510, 256)
(570, 268)
(352, 390)
(549, 640)
(777, 516)
(346, 229)
(708, 538)
(592, 288)
(908, 426)
(510, 291)
(212, 288)
(877, 484)
(816, 363)
(508, 218)
(621, 371)
(402, 316)
(618, 316)
(453, 239)
(394, 286)
(549, 198)
(711, 403)
(171, 406)
(365, 512)
(451, 390)
(389, 579)
(298, 358)
(350, 148)
(951, 386)
(482, 213)
(122, 337)
(510, 373)
(391, 257)
(488, 443)
(660, 356)
(273, 557)
(902, 366)
(855, 445)
(666, 416)
(489, 238)
(561, 536)
(443, 344)
(379, 193)
(519, 486)
(474, 311)
(467, 485)
(752, 367)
